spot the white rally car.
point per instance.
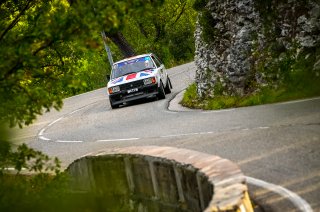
(138, 77)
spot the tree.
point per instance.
(40, 43)
(111, 16)
(167, 30)
(119, 40)
(35, 52)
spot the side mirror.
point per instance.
(108, 77)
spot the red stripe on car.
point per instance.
(131, 76)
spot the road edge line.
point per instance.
(293, 197)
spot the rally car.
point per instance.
(138, 77)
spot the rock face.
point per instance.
(245, 32)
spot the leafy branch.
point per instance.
(16, 20)
(33, 160)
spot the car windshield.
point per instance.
(131, 66)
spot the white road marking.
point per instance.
(255, 128)
(55, 121)
(263, 128)
(218, 111)
(294, 198)
(61, 141)
(120, 139)
(177, 135)
(234, 128)
(298, 101)
(169, 111)
(75, 111)
(42, 131)
(186, 134)
(44, 138)
(130, 139)
(204, 133)
(88, 154)
(40, 134)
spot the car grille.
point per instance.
(130, 85)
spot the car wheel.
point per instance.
(114, 106)
(161, 92)
(168, 87)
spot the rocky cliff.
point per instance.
(242, 45)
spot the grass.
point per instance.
(299, 86)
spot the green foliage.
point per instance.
(28, 192)
(302, 84)
(31, 192)
(199, 5)
(91, 71)
(42, 61)
(218, 88)
(190, 97)
(282, 70)
(110, 16)
(5, 148)
(23, 157)
(167, 31)
(32, 62)
(290, 77)
(52, 49)
(42, 192)
(207, 22)
(32, 160)
(221, 102)
(48, 50)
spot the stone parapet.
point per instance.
(153, 178)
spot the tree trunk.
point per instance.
(120, 41)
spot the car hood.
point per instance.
(132, 77)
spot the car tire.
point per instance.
(168, 87)
(114, 106)
(161, 92)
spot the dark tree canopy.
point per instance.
(41, 41)
(45, 46)
(35, 38)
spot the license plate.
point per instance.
(133, 90)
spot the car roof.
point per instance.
(134, 57)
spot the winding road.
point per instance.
(276, 145)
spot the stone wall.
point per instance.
(245, 33)
(151, 178)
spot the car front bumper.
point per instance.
(143, 92)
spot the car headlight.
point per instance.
(149, 81)
(114, 89)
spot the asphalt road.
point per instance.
(276, 143)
